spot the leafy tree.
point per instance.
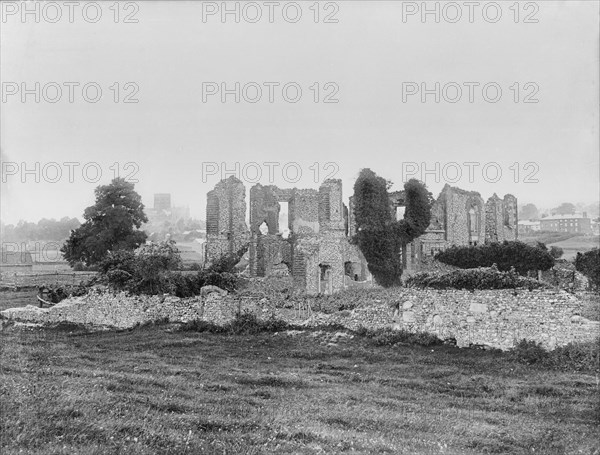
(566, 208)
(111, 224)
(379, 236)
(529, 212)
(589, 264)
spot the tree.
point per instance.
(589, 264)
(111, 224)
(529, 212)
(566, 208)
(379, 236)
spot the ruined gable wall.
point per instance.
(455, 205)
(226, 218)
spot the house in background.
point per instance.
(529, 226)
(576, 224)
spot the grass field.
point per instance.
(154, 390)
(577, 244)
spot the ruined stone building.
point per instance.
(226, 229)
(317, 253)
(462, 218)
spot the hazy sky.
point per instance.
(364, 61)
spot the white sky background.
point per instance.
(369, 53)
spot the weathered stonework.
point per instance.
(496, 318)
(226, 230)
(318, 253)
(501, 218)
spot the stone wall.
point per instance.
(226, 230)
(501, 218)
(496, 318)
(304, 212)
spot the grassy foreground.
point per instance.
(153, 390)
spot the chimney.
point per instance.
(585, 214)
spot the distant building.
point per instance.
(162, 201)
(529, 226)
(567, 223)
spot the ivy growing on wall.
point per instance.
(378, 235)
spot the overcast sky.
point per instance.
(364, 61)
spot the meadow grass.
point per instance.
(156, 390)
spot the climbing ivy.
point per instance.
(378, 235)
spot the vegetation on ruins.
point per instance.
(471, 279)
(156, 269)
(506, 255)
(111, 224)
(589, 264)
(379, 236)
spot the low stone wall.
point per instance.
(497, 318)
(105, 309)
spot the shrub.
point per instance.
(227, 262)
(245, 323)
(571, 357)
(529, 352)
(556, 252)
(225, 280)
(471, 279)
(589, 264)
(390, 337)
(154, 269)
(505, 255)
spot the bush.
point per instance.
(529, 352)
(390, 337)
(556, 252)
(227, 262)
(589, 264)
(505, 255)
(245, 323)
(154, 269)
(571, 357)
(471, 279)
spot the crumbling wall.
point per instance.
(331, 208)
(226, 230)
(510, 227)
(304, 212)
(264, 208)
(273, 256)
(454, 206)
(497, 318)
